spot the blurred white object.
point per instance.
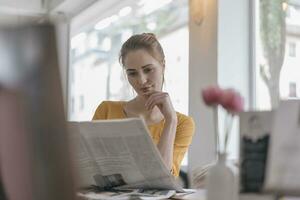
(283, 164)
(221, 183)
(199, 175)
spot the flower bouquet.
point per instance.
(220, 182)
(231, 101)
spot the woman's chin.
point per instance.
(144, 95)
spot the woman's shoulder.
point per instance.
(183, 117)
(111, 103)
(108, 109)
(185, 120)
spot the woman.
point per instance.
(143, 59)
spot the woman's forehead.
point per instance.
(138, 59)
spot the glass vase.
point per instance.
(220, 182)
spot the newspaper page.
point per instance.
(119, 154)
(283, 162)
(127, 195)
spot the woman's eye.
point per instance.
(147, 70)
(131, 73)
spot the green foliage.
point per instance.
(273, 33)
(272, 17)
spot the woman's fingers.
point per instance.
(163, 102)
(152, 96)
(156, 99)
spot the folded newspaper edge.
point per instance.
(119, 153)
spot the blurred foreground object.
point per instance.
(255, 134)
(34, 152)
(2, 195)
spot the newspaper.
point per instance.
(119, 154)
(127, 195)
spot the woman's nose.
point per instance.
(142, 79)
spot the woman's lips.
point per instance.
(145, 89)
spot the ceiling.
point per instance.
(30, 10)
(23, 11)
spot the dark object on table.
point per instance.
(253, 163)
(2, 194)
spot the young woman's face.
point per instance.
(144, 72)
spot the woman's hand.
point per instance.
(163, 102)
(166, 142)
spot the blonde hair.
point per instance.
(146, 41)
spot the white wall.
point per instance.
(233, 56)
(203, 61)
(233, 45)
(219, 54)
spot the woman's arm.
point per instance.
(166, 142)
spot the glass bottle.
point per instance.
(220, 182)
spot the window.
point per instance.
(81, 100)
(96, 74)
(292, 89)
(292, 49)
(288, 12)
(72, 105)
(277, 68)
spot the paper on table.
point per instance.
(283, 159)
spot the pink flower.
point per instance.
(232, 101)
(229, 99)
(212, 95)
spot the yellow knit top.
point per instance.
(184, 132)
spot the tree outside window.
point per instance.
(277, 67)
